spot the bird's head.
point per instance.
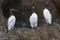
(46, 4)
(33, 8)
(13, 11)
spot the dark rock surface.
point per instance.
(2, 22)
(43, 32)
(25, 8)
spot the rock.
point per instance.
(25, 8)
(46, 32)
(2, 22)
(43, 32)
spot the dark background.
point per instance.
(44, 32)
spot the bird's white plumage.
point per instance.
(11, 22)
(47, 15)
(33, 20)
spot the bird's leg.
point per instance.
(50, 22)
(32, 25)
(36, 24)
(46, 22)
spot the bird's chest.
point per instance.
(11, 20)
(33, 17)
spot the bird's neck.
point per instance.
(10, 14)
(33, 12)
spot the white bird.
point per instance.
(11, 21)
(47, 16)
(33, 20)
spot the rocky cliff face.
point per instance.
(46, 32)
(56, 3)
(43, 32)
(25, 7)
